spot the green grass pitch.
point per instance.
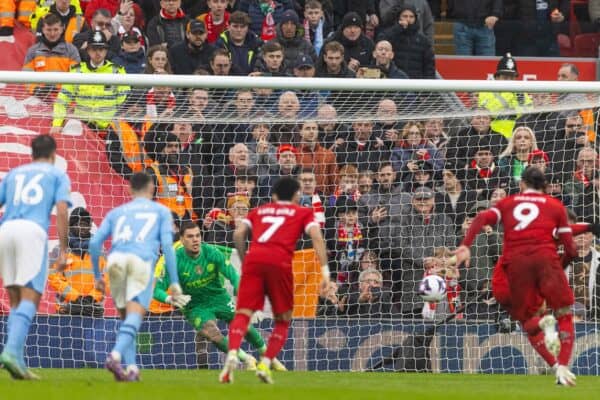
(91, 384)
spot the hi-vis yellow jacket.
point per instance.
(499, 102)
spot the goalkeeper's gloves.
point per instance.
(179, 300)
(175, 289)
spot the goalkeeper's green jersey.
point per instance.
(200, 277)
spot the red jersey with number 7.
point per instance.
(276, 228)
(531, 220)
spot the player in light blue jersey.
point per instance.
(29, 193)
(138, 230)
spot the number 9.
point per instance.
(532, 212)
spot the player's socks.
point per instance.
(237, 330)
(128, 332)
(566, 333)
(532, 325)
(537, 342)
(223, 345)
(19, 328)
(277, 339)
(129, 355)
(255, 339)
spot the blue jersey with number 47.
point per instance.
(139, 227)
(30, 192)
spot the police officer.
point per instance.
(497, 103)
(95, 105)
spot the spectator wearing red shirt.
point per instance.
(216, 20)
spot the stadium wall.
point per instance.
(341, 344)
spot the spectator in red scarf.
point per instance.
(413, 146)
(540, 159)
(160, 101)
(584, 185)
(216, 20)
(483, 175)
(287, 165)
(169, 26)
(347, 184)
(265, 15)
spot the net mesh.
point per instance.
(394, 177)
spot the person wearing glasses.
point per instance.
(101, 21)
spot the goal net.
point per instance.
(394, 170)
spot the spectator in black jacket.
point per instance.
(242, 44)
(474, 26)
(371, 300)
(413, 51)
(383, 59)
(169, 26)
(362, 148)
(290, 36)
(132, 56)
(193, 52)
(331, 63)
(366, 9)
(358, 47)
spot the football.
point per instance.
(432, 288)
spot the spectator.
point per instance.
(413, 238)
(290, 36)
(132, 56)
(246, 181)
(196, 107)
(216, 20)
(565, 143)
(544, 123)
(496, 195)
(555, 188)
(96, 105)
(288, 112)
(362, 147)
(329, 302)
(70, 15)
(263, 153)
(242, 44)
(366, 9)
(265, 15)
(345, 240)
(435, 134)
(454, 198)
(310, 197)
(317, 24)
(584, 184)
(413, 147)
(75, 285)
(483, 175)
(101, 21)
(539, 159)
(587, 260)
(383, 59)
(358, 49)
(220, 229)
(170, 26)
(463, 145)
(413, 52)
(124, 147)
(347, 185)
(474, 26)
(172, 180)
(159, 101)
(191, 53)
(130, 18)
(513, 160)
(332, 64)
(420, 173)
(424, 16)
(371, 300)
(504, 102)
(387, 126)
(272, 62)
(321, 160)
(365, 182)
(331, 132)
(220, 64)
(158, 60)
(50, 54)
(287, 165)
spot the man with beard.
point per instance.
(76, 293)
(193, 52)
(172, 180)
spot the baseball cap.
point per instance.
(195, 26)
(423, 192)
(304, 61)
(290, 15)
(130, 36)
(286, 147)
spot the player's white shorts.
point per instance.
(131, 279)
(23, 254)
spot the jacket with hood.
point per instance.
(360, 49)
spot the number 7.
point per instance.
(275, 222)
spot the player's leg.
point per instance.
(280, 290)
(500, 286)
(225, 312)
(251, 297)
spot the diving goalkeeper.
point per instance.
(201, 268)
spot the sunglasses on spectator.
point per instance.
(571, 126)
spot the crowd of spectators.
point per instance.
(394, 195)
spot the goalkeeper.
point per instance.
(200, 267)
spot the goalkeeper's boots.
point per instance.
(30, 375)
(264, 373)
(113, 364)
(250, 363)
(564, 377)
(132, 373)
(277, 365)
(12, 365)
(548, 325)
(231, 362)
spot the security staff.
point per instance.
(499, 103)
(95, 105)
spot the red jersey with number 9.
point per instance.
(276, 228)
(531, 222)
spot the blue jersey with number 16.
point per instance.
(138, 227)
(30, 191)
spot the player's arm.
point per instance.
(239, 238)
(230, 274)
(96, 249)
(487, 217)
(162, 281)
(565, 237)
(314, 231)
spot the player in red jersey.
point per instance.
(267, 269)
(533, 221)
